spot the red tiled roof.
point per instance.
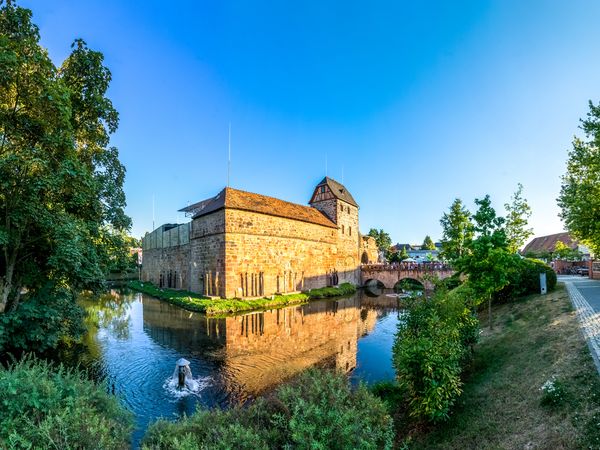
(548, 243)
(248, 201)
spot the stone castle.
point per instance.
(241, 244)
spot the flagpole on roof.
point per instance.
(229, 156)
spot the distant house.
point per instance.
(417, 253)
(548, 244)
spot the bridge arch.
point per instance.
(409, 284)
(373, 287)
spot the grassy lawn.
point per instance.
(219, 307)
(534, 339)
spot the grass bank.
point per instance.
(536, 340)
(216, 306)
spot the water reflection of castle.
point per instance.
(257, 350)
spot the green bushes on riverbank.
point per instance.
(333, 291)
(216, 306)
(432, 345)
(45, 407)
(318, 410)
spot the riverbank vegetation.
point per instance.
(218, 306)
(58, 408)
(531, 384)
(318, 410)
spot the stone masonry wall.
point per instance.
(162, 265)
(207, 242)
(267, 254)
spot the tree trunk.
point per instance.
(490, 312)
(7, 282)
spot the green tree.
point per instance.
(517, 214)
(61, 184)
(403, 254)
(488, 261)
(563, 251)
(579, 197)
(383, 240)
(457, 231)
(428, 243)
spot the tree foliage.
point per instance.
(579, 197)
(428, 243)
(61, 184)
(518, 212)
(563, 251)
(457, 231)
(488, 261)
(383, 240)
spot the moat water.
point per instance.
(134, 340)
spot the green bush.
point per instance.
(216, 306)
(333, 291)
(432, 345)
(43, 407)
(41, 321)
(319, 410)
(524, 278)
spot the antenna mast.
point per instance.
(229, 156)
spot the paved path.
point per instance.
(585, 295)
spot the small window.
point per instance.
(350, 231)
(322, 189)
(342, 229)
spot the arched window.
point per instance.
(342, 229)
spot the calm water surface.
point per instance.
(134, 341)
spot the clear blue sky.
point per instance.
(417, 102)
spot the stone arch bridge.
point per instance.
(390, 274)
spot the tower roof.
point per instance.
(338, 190)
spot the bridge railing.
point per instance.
(413, 267)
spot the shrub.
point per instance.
(43, 407)
(41, 321)
(524, 278)
(319, 410)
(333, 291)
(431, 346)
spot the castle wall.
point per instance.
(207, 240)
(267, 254)
(348, 244)
(167, 257)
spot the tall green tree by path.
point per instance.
(518, 212)
(488, 261)
(383, 240)
(579, 197)
(428, 243)
(457, 231)
(61, 183)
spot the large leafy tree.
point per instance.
(428, 243)
(457, 231)
(61, 183)
(518, 212)
(579, 197)
(383, 240)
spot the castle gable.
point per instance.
(329, 189)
